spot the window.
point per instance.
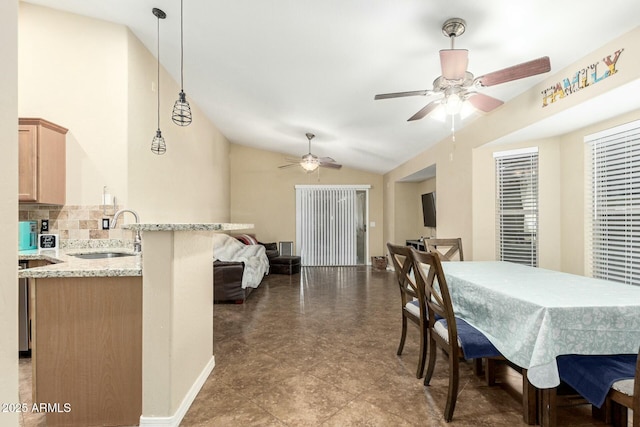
(612, 204)
(517, 206)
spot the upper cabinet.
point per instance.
(42, 162)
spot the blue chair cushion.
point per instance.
(592, 376)
(413, 307)
(474, 343)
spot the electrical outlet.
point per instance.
(44, 226)
(105, 223)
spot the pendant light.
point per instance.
(181, 111)
(157, 145)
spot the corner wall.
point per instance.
(9, 210)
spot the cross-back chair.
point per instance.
(449, 249)
(412, 299)
(455, 336)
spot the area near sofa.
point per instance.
(240, 263)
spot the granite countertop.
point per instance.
(64, 264)
(187, 227)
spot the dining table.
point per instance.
(533, 315)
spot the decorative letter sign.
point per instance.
(589, 75)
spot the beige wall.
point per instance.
(73, 72)
(95, 78)
(408, 210)
(190, 182)
(9, 210)
(458, 186)
(264, 195)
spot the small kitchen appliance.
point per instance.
(27, 235)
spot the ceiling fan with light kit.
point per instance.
(457, 85)
(310, 162)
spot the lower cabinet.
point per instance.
(87, 350)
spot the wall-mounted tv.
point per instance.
(429, 209)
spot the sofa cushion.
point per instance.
(247, 239)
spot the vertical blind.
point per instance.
(326, 225)
(517, 206)
(613, 204)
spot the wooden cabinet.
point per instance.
(87, 349)
(42, 162)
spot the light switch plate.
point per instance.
(105, 223)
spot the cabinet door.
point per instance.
(51, 166)
(28, 163)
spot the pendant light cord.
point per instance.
(181, 51)
(158, 78)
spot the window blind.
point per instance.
(327, 224)
(517, 206)
(613, 204)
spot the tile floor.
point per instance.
(319, 349)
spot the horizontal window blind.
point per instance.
(613, 204)
(517, 206)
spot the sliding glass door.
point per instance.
(331, 224)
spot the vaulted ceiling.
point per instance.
(265, 72)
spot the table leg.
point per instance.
(547, 411)
(529, 400)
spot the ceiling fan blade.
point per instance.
(326, 160)
(331, 165)
(292, 159)
(453, 63)
(484, 102)
(289, 166)
(520, 71)
(425, 110)
(402, 94)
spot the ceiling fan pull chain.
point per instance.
(453, 128)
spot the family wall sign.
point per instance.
(583, 78)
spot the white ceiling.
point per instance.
(267, 71)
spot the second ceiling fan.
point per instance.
(457, 85)
(310, 162)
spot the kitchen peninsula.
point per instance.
(128, 339)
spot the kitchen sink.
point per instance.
(98, 255)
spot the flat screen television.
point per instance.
(429, 209)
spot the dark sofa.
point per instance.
(227, 282)
(227, 276)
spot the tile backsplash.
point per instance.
(75, 222)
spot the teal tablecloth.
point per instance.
(533, 315)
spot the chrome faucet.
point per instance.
(137, 243)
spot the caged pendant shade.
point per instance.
(158, 145)
(181, 114)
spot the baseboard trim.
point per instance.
(175, 419)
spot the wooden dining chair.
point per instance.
(449, 249)
(456, 337)
(608, 382)
(412, 300)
